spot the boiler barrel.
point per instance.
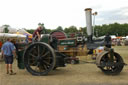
(88, 12)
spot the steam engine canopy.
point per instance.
(58, 34)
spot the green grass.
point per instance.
(123, 51)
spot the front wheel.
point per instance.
(111, 68)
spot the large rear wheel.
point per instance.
(39, 58)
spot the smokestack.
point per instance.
(88, 14)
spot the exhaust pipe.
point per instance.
(88, 14)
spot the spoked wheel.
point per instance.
(111, 68)
(39, 59)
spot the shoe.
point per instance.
(7, 72)
(12, 73)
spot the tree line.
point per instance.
(99, 30)
(112, 29)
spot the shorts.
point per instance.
(8, 59)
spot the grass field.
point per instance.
(80, 74)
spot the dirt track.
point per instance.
(80, 74)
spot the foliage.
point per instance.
(59, 28)
(30, 30)
(113, 29)
(48, 31)
(71, 29)
(6, 30)
(99, 30)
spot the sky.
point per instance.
(65, 13)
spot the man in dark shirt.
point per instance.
(107, 41)
(37, 33)
(8, 51)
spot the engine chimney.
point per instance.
(88, 13)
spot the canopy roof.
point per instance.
(8, 35)
(11, 30)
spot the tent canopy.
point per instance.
(8, 35)
(24, 32)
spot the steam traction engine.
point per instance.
(55, 50)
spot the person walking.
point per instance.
(8, 52)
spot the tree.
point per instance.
(48, 31)
(30, 31)
(59, 28)
(6, 30)
(71, 29)
(41, 24)
(112, 29)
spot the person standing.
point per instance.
(8, 52)
(107, 41)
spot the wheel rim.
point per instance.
(39, 59)
(111, 68)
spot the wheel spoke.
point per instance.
(32, 62)
(32, 55)
(32, 59)
(40, 68)
(37, 66)
(112, 69)
(45, 67)
(45, 54)
(47, 58)
(43, 50)
(38, 50)
(46, 63)
(35, 50)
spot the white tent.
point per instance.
(11, 30)
(126, 37)
(17, 37)
(2, 34)
(1, 29)
(113, 36)
(8, 35)
(22, 31)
